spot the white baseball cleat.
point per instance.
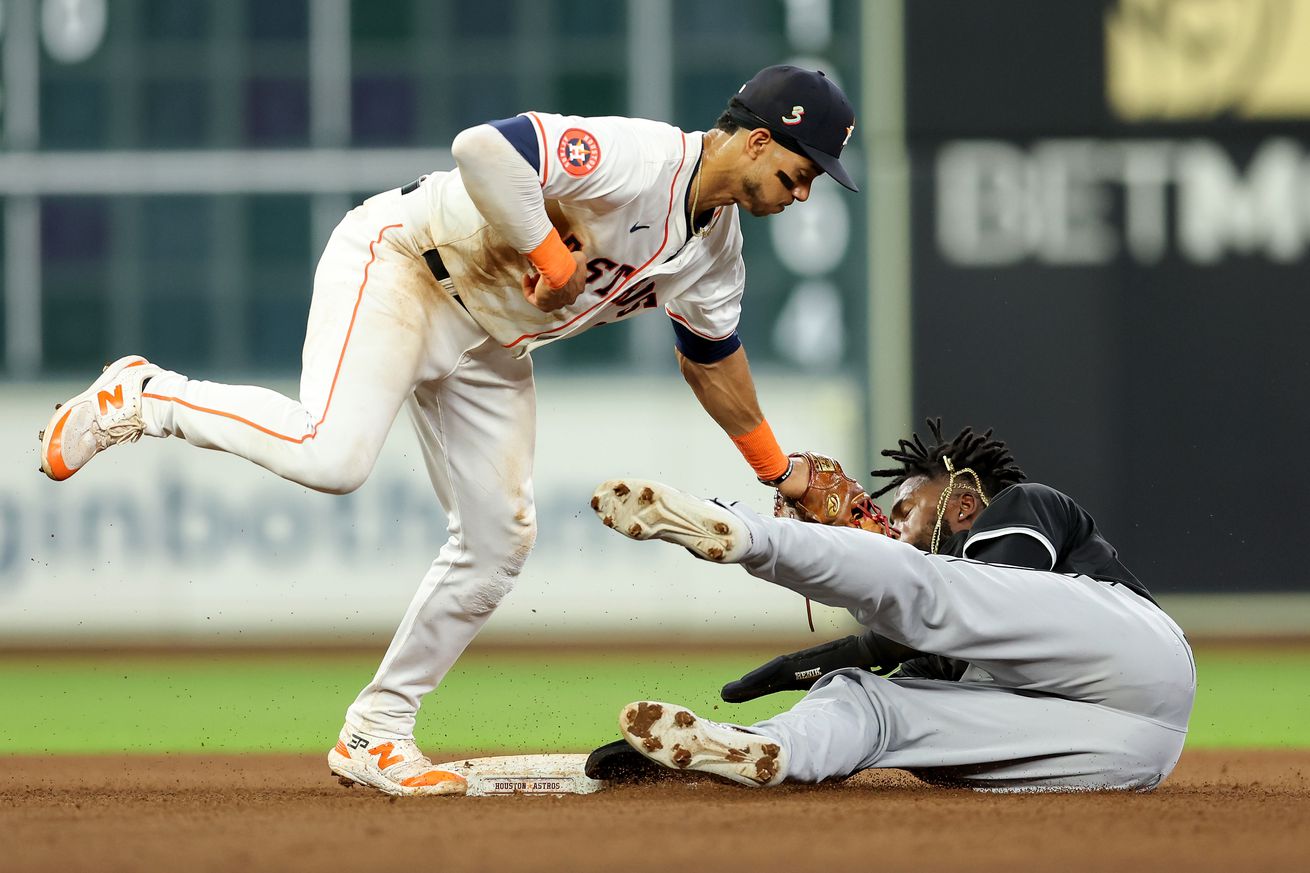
(644, 510)
(394, 767)
(106, 414)
(679, 739)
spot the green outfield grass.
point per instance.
(493, 701)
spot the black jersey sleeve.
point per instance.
(1014, 550)
(1029, 512)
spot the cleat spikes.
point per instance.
(643, 510)
(678, 739)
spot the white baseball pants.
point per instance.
(384, 332)
(1074, 684)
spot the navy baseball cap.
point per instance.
(804, 111)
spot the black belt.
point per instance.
(433, 258)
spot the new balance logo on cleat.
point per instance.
(105, 399)
(383, 754)
(395, 767)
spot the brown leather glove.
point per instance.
(832, 497)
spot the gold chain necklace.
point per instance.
(946, 496)
(695, 200)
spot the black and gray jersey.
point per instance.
(1035, 526)
(1032, 527)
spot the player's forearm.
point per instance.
(726, 390)
(502, 185)
(508, 195)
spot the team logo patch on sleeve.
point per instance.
(578, 152)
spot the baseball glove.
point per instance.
(832, 497)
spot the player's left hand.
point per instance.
(799, 479)
(537, 291)
(818, 491)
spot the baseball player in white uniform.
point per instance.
(432, 296)
(1030, 658)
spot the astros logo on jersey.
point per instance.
(578, 152)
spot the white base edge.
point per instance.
(524, 774)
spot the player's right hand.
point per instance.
(796, 671)
(537, 291)
(799, 671)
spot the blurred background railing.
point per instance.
(179, 164)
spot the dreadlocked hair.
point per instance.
(990, 459)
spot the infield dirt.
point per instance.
(1247, 810)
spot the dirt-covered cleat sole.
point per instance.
(677, 738)
(619, 762)
(394, 767)
(644, 510)
(108, 413)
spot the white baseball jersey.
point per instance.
(617, 188)
(382, 333)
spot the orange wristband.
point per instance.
(762, 452)
(553, 260)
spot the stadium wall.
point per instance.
(159, 542)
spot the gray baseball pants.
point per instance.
(1075, 684)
